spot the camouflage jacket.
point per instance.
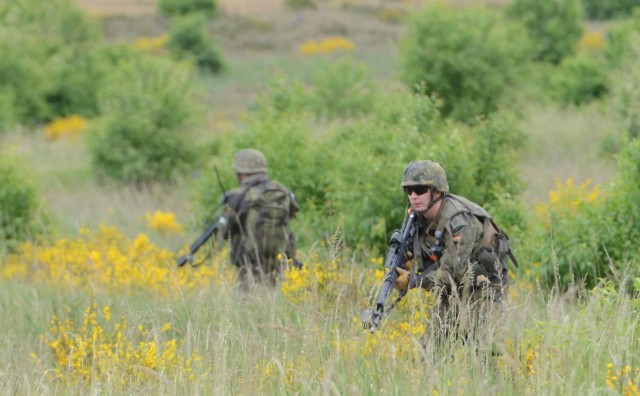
(468, 236)
(235, 213)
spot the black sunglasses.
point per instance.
(419, 190)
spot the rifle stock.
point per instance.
(396, 258)
(188, 258)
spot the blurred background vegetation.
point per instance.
(531, 106)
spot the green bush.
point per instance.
(468, 58)
(625, 89)
(23, 83)
(580, 79)
(346, 174)
(340, 90)
(20, 217)
(76, 74)
(599, 9)
(49, 65)
(618, 38)
(142, 137)
(586, 235)
(172, 8)
(495, 146)
(555, 26)
(189, 40)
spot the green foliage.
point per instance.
(50, 64)
(23, 83)
(619, 37)
(142, 137)
(20, 219)
(496, 144)
(340, 90)
(623, 227)
(555, 26)
(77, 74)
(468, 58)
(625, 89)
(347, 174)
(598, 9)
(173, 8)
(586, 235)
(189, 40)
(580, 79)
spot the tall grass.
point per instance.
(263, 343)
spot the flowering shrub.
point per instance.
(151, 43)
(313, 279)
(165, 222)
(591, 41)
(567, 233)
(624, 381)
(329, 44)
(588, 233)
(98, 348)
(106, 260)
(70, 126)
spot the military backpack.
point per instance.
(266, 214)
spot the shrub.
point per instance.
(585, 234)
(23, 83)
(188, 40)
(340, 90)
(468, 58)
(142, 137)
(76, 74)
(49, 66)
(580, 79)
(625, 90)
(347, 174)
(495, 144)
(555, 26)
(172, 8)
(20, 219)
(618, 38)
(598, 9)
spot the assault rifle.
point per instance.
(396, 258)
(211, 229)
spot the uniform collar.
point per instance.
(255, 179)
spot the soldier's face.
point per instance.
(419, 197)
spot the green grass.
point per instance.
(261, 343)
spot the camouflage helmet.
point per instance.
(249, 161)
(425, 173)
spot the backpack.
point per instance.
(495, 240)
(266, 219)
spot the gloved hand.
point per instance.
(402, 281)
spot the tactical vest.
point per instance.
(495, 243)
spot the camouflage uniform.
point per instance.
(471, 276)
(258, 256)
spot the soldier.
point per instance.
(256, 219)
(458, 252)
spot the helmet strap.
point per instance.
(433, 201)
